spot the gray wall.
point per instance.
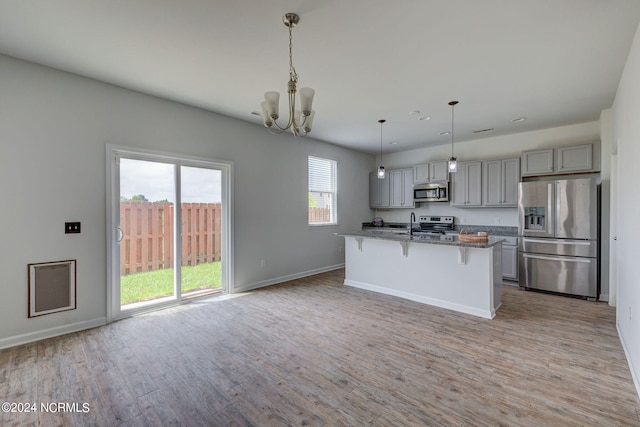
(625, 207)
(53, 130)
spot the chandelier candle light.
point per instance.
(381, 168)
(300, 121)
(453, 163)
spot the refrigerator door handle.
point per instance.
(552, 258)
(556, 242)
(553, 209)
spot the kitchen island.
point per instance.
(439, 271)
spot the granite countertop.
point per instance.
(449, 240)
(492, 230)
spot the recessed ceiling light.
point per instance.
(445, 133)
(255, 113)
(414, 112)
(483, 130)
(424, 118)
(518, 120)
(393, 143)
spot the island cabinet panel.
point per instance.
(500, 182)
(467, 184)
(401, 184)
(464, 279)
(379, 191)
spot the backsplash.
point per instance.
(484, 216)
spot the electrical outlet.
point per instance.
(263, 263)
(71, 227)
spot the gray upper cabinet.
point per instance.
(401, 188)
(537, 162)
(431, 172)
(467, 184)
(439, 171)
(575, 158)
(379, 194)
(500, 182)
(561, 160)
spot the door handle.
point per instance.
(120, 235)
(564, 259)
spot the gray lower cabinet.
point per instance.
(509, 258)
(467, 184)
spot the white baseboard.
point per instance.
(276, 280)
(634, 373)
(51, 332)
(487, 314)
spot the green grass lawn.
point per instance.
(155, 284)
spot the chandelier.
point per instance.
(300, 121)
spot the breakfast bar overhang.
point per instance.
(447, 273)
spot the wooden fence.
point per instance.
(319, 215)
(148, 235)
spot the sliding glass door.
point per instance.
(170, 229)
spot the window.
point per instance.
(322, 191)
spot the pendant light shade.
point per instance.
(453, 162)
(381, 171)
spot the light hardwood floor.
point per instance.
(314, 352)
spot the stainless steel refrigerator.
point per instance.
(558, 227)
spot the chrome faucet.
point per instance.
(412, 218)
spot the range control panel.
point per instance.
(436, 219)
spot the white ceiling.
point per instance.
(556, 62)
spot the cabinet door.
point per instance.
(401, 184)
(492, 183)
(510, 180)
(459, 184)
(378, 191)
(421, 173)
(407, 188)
(509, 262)
(575, 158)
(439, 171)
(474, 183)
(537, 162)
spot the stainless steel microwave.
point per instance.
(431, 192)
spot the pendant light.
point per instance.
(381, 172)
(453, 163)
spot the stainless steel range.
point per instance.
(435, 227)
